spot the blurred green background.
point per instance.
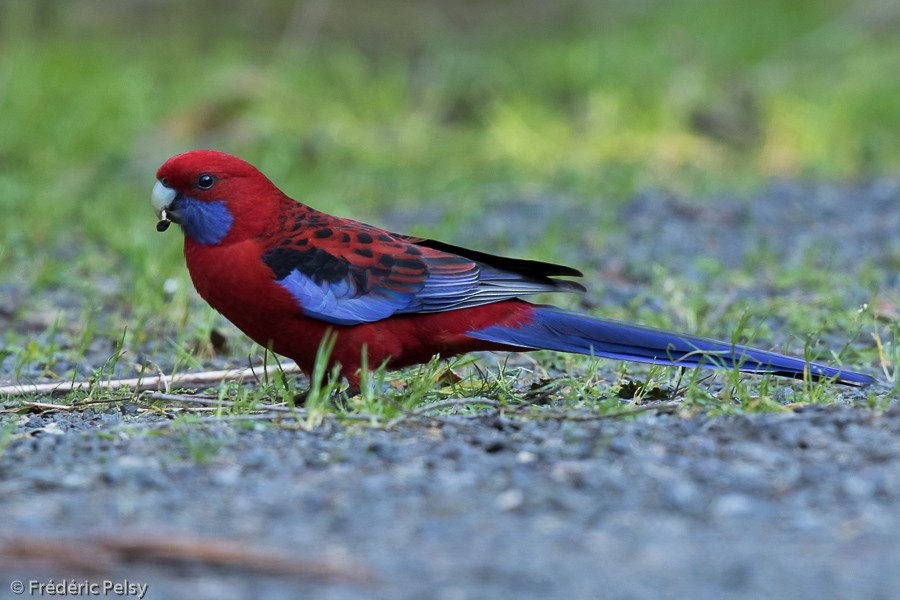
(358, 107)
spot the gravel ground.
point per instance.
(800, 504)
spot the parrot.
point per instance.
(288, 275)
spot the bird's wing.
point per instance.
(345, 272)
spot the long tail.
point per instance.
(551, 328)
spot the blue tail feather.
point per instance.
(564, 331)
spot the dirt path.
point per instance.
(799, 504)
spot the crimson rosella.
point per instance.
(285, 274)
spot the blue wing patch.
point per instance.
(340, 302)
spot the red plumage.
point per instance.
(233, 278)
(286, 274)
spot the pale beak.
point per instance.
(162, 199)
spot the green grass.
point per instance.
(443, 104)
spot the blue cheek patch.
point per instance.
(206, 222)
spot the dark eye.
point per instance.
(164, 181)
(205, 181)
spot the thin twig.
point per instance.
(159, 382)
(209, 401)
(453, 402)
(73, 406)
(281, 411)
(444, 404)
(103, 554)
(49, 406)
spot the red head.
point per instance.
(216, 197)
